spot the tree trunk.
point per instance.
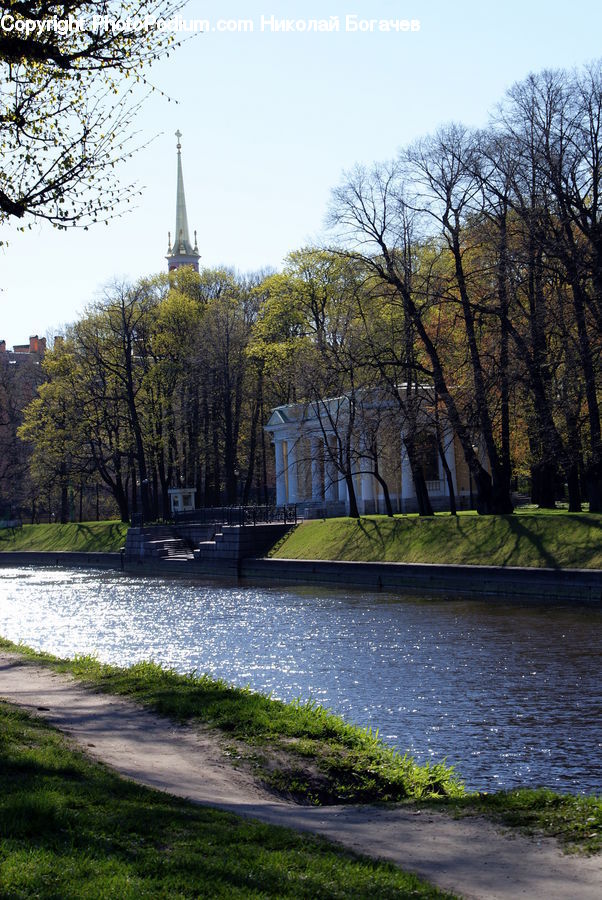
(487, 502)
(504, 350)
(386, 494)
(353, 509)
(573, 488)
(448, 477)
(544, 477)
(134, 491)
(501, 501)
(422, 495)
(64, 518)
(216, 490)
(252, 452)
(264, 462)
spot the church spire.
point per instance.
(181, 252)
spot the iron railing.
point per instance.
(11, 524)
(238, 515)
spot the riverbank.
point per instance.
(528, 585)
(507, 584)
(63, 559)
(90, 831)
(298, 749)
(533, 539)
(312, 756)
(529, 538)
(71, 828)
(80, 537)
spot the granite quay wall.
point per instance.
(222, 547)
(523, 584)
(66, 558)
(218, 570)
(234, 543)
(583, 586)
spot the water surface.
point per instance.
(510, 695)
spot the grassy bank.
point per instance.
(554, 540)
(71, 828)
(574, 820)
(312, 756)
(86, 537)
(299, 749)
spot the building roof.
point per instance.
(32, 352)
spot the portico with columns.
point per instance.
(307, 473)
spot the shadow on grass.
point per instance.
(486, 548)
(373, 533)
(574, 820)
(97, 536)
(522, 533)
(101, 836)
(545, 548)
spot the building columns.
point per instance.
(293, 489)
(331, 474)
(281, 497)
(316, 469)
(407, 482)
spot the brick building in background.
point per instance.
(24, 353)
(20, 374)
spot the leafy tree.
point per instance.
(310, 327)
(67, 103)
(53, 425)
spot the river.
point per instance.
(509, 694)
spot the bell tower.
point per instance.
(181, 252)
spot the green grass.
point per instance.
(320, 758)
(300, 749)
(70, 828)
(555, 540)
(575, 821)
(91, 537)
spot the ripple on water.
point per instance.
(509, 695)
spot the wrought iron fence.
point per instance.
(238, 515)
(11, 524)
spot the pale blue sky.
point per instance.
(270, 120)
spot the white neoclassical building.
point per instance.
(308, 444)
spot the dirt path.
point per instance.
(470, 856)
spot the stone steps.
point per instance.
(159, 543)
(236, 542)
(223, 548)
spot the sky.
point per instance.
(270, 120)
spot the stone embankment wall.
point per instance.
(232, 544)
(522, 584)
(155, 542)
(583, 586)
(66, 558)
(220, 554)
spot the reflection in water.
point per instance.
(509, 695)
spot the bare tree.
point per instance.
(377, 227)
(68, 98)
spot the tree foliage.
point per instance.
(463, 291)
(68, 98)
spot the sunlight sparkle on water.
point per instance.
(509, 695)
